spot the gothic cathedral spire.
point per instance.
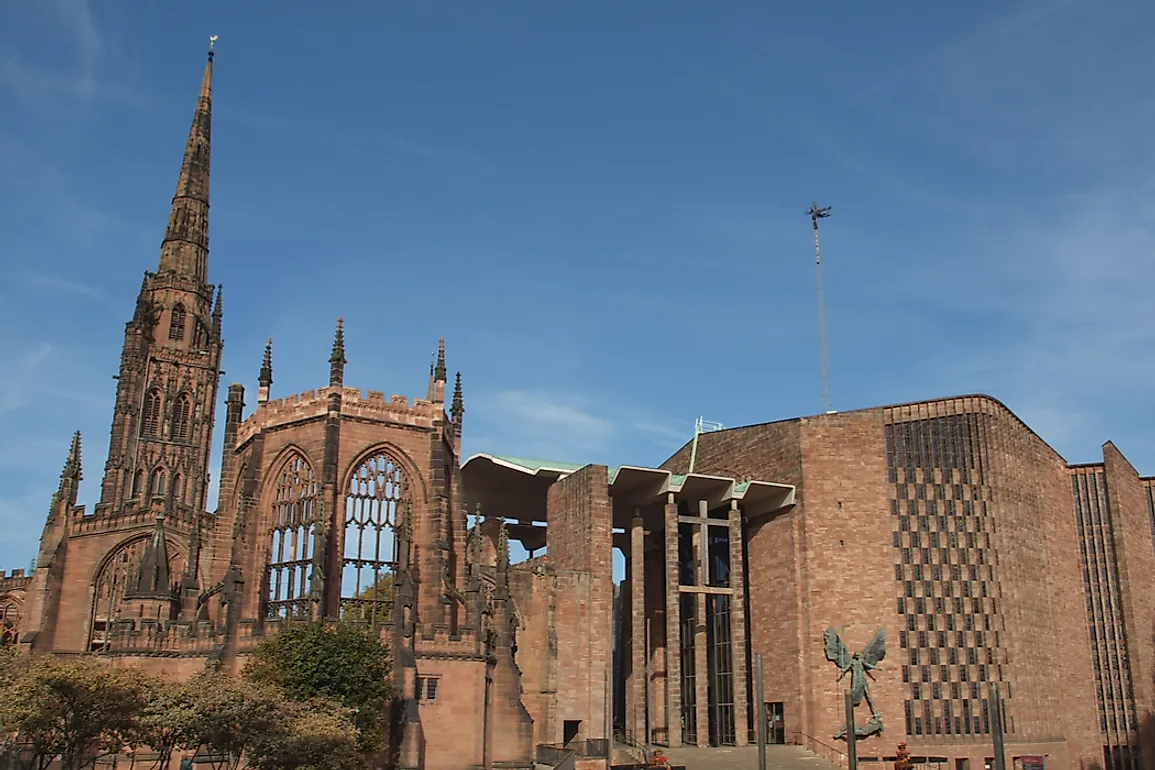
(185, 250)
(170, 365)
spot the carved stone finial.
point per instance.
(338, 354)
(337, 357)
(218, 311)
(71, 470)
(266, 377)
(502, 554)
(457, 410)
(474, 547)
(439, 370)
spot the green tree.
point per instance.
(343, 663)
(227, 716)
(318, 734)
(75, 708)
(165, 722)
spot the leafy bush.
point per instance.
(75, 708)
(343, 663)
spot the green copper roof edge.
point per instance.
(537, 465)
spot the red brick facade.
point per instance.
(980, 551)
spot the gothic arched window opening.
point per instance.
(180, 417)
(156, 483)
(150, 417)
(177, 488)
(176, 323)
(293, 538)
(9, 621)
(114, 578)
(137, 483)
(377, 490)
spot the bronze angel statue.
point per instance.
(858, 665)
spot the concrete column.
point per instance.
(655, 580)
(638, 684)
(701, 664)
(673, 632)
(701, 673)
(738, 626)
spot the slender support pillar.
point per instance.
(609, 723)
(760, 711)
(701, 661)
(646, 690)
(851, 735)
(639, 650)
(738, 628)
(997, 728)
(673, 632)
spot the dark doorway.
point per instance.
(569, 731)
(775, 723)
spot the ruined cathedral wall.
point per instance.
(13, 590)
(536, 595)
(86, 590)
(369, 429)
(580, 600)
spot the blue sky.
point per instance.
(598, 204)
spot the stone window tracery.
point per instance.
(181, 412)
(9, 621)
(293, 538)
(377, 490)
(156, 483)
(113, 580)
(150, 417)
(176, 323)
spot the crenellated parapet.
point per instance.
(135, 636)
(314, 404)
(16, 580)
(179, 518)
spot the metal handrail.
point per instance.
(624, 737)
(799, 738)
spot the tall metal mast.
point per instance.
(815, 213)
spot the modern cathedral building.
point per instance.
(982, 554)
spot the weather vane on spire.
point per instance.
(212, 41)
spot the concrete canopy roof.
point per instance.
(516, 487)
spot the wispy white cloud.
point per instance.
(75, 16)
(1075, 337)
(18, 384)
(44, 85)
(553, 426)
(21, 521)
(62, 287)
(458, 157)
(79, 76)
(32, 454)
(570, 428)
(1035, 289)
(28, 173)
(663, 432)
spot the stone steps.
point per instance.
(746, 758)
